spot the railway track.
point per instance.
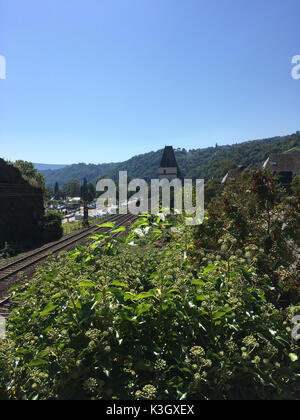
(30, 259)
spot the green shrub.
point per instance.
(296, 185)
(254, 222)
(131, 321)
(8, 251)
(52, 230)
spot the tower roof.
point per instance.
(168, 159)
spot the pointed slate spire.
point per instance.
(168, 159)
(168, 167)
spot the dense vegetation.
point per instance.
(196, 163)
(21, 207)
(52, 229)
(70, 227)
(25, 224)
(167, 312)
(31, 174)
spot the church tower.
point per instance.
(168, 167)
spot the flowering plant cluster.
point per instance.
(163, 312)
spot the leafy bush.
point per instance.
(135, 321)
(52, 230)
(296, 185)
(8, 251)
(256, 223)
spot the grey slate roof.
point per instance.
(168, 159)
(234, 173)
(283, 162)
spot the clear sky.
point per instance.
(102, 80)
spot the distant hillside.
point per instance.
(196, 163)
(44, 166)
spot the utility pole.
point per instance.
(56, 191)
(84, 197)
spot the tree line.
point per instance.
(86, 191)
(211, 162)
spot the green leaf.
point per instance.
(218, 315)
(141, 308)
(49, 308)
(23, 352)
(129, 296)
(120, 229)
(143, 295)
(293, 357)
(244, 272)
(97, 237)
(117, 283)
(38, 362)
(210, 268)
(18, 286)
(170, 292)
(87, 284)
(198, 282)
(202, 297)
(107, 225)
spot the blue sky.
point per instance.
(103, 80)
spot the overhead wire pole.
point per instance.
(84, 197)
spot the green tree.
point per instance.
(72, 189)
(91, 192)
(198, 163)
(212, 188)
(296, 185)
(52, 229)
(56, 191)
(49, 193)
(30, 174)
(254, 219)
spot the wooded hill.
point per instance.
(195, 163)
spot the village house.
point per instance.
(233, 175)
(286, 165)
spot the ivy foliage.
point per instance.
(148, 316)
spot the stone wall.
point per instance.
(21, 209)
